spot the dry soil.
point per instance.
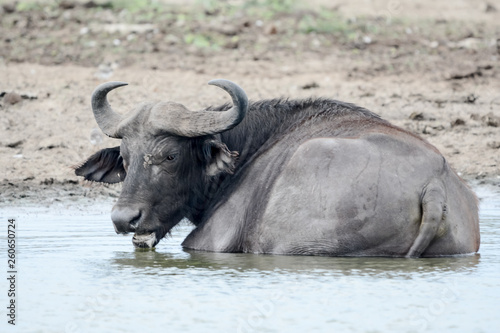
(431, 67)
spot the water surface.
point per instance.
(77, 275)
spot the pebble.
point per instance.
(491, 120)
(494, 144)
(458, 122)
(417, 116)
(271, 30)
(488, 8)
(9, 8)
(12, 98)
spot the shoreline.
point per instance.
(27, 193)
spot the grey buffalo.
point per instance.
(292, 177)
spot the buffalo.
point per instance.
(293, 177)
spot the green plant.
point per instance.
(29, 6)
(324, 22)
(197, 40)
(135, 5)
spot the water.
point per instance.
(76, 275)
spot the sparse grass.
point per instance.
(24, 6)
(259, 26)
(268, 9)
(198, 40)
(324, 22)
(135, 6)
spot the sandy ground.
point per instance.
(427, 66)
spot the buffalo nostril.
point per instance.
(125, 219)
(135, 221)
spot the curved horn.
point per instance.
(240, 103)
(106, 118)
(186, 123)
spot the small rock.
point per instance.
(47, 181)
(15, 144)
(485, 67)
(90, 4)
(105, 70)
(172, 39)
(52, 142)
(481, 175)
(434, 44)
(67, 4)
(488, 8)
(440, 103)
(470, 99)
(458, 122)
(311, 85)
(469, 75)
(12, 98)
(417, 116)
(232, 44)
(228, 30)
(494, 144)
(428, 130)
(29, 96)
(491, 120)
(475, 116)
(9, 8)
(470, 43)
(432, 130)
(125, 29)
(271, 30)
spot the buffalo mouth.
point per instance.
(147, 241)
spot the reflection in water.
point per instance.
(76, 275)
(294, 264)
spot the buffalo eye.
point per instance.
(171, 157)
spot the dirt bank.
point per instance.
(426, 67)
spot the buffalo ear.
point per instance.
(220, 159)
(105, 166)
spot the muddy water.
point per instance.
(76, 275)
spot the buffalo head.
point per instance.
(167, 157)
